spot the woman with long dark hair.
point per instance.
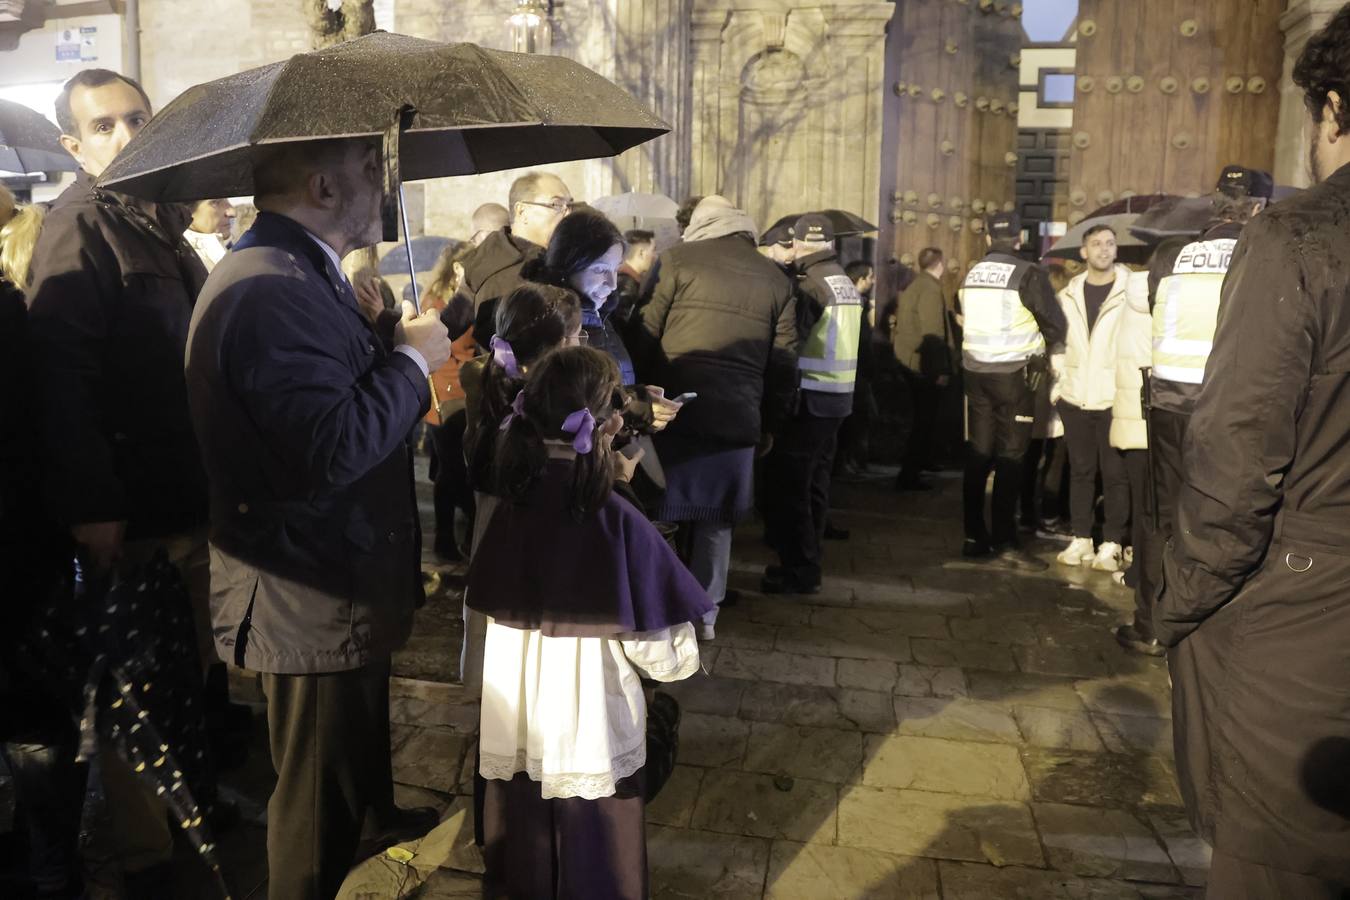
(583, 598)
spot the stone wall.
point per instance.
(1300, 21)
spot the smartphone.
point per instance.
(685, 397)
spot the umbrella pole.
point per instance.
(417, 294)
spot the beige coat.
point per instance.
(1085, 372)
(1134, 350)
(921, 312)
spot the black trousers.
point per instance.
(329, 736)
(450, 477)
(1146, 570)
(1168, 436)
(797, 496)
(999, 413)
(856, 431)
(1231, 878)
(921, 434)
(1087, 434)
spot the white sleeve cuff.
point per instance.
(409, 351)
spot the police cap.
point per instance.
(1239, 181)
(813, 227)
(1005, 226)
(779, 234)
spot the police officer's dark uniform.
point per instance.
(798, 471)
(1011, 317)
(1184, 280)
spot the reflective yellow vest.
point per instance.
(998, 327)
(1185, 309)
(828, 360)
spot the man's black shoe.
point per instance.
(836, 534)
(1129, 637)
(447, 550)
(974, 549)
(783, 583)
(1021, 560)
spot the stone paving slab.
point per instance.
(1130, 734)
(964, 654)
(1100, 779)
(826, 754)
(767, 806)
(955, 767)
(695, 865)
(1000, 630)
(843, 642)
(431, 759)
(967, 881)
(902, 622)
(675, 804)
(844, 708)
(705, 694)
(1058, 729)
(1112, 843)
(960, 720)
(767, 665)
(935, 825)
(1024, 689)
(818, 871)
(1189, 853)
(712, 740)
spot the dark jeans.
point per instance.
(921, 431)
(329, 736)
(797, 497)
(450, 477)
(1168, 434)
(1087, 433)
(1000, 407)
(1044, 471)
(855, 433)
(1146, 570)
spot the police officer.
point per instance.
(1184, 279)
(798, 471)
(1010, 317)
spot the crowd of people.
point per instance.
(600, 417)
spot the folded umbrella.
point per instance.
(845, 223)
(1129, 249)
(30, 143)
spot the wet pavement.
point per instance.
(924, 727)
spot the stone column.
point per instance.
(1301, 21)
(857, 45)
(705, 116)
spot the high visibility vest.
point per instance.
(998, 328)
(828, 360)
(1185, 309)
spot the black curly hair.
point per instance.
(1324, 66)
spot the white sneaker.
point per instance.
(706, 631)
(1108, 557)
(1078, 553)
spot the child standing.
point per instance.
(583, 598)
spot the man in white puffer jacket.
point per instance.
(1129, 435)
(1085, 390)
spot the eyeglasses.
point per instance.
(558, 205)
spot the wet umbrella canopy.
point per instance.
(845, 223)
(29, 143)
(473, 110)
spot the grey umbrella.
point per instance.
(29, 143)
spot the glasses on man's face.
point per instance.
(557, 204)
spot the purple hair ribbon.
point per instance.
(517, 406)
(504, 356)
(581, 425)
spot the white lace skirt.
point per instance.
(569, 712)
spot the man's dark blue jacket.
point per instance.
(303, 415)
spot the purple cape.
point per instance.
(537, 567)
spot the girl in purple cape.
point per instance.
(583, 598)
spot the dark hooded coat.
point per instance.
(1254, 606)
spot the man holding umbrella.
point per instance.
(304, 412)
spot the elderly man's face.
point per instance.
(109, 116)
(213, 217)
(359, 184)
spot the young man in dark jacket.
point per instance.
(1253, 606)
(114, 283)
(539, 201)
(721, 323)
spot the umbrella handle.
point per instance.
(412, 275)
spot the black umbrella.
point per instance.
(1174, 217)
(29, 143)
(845, 223)
(472, 110)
